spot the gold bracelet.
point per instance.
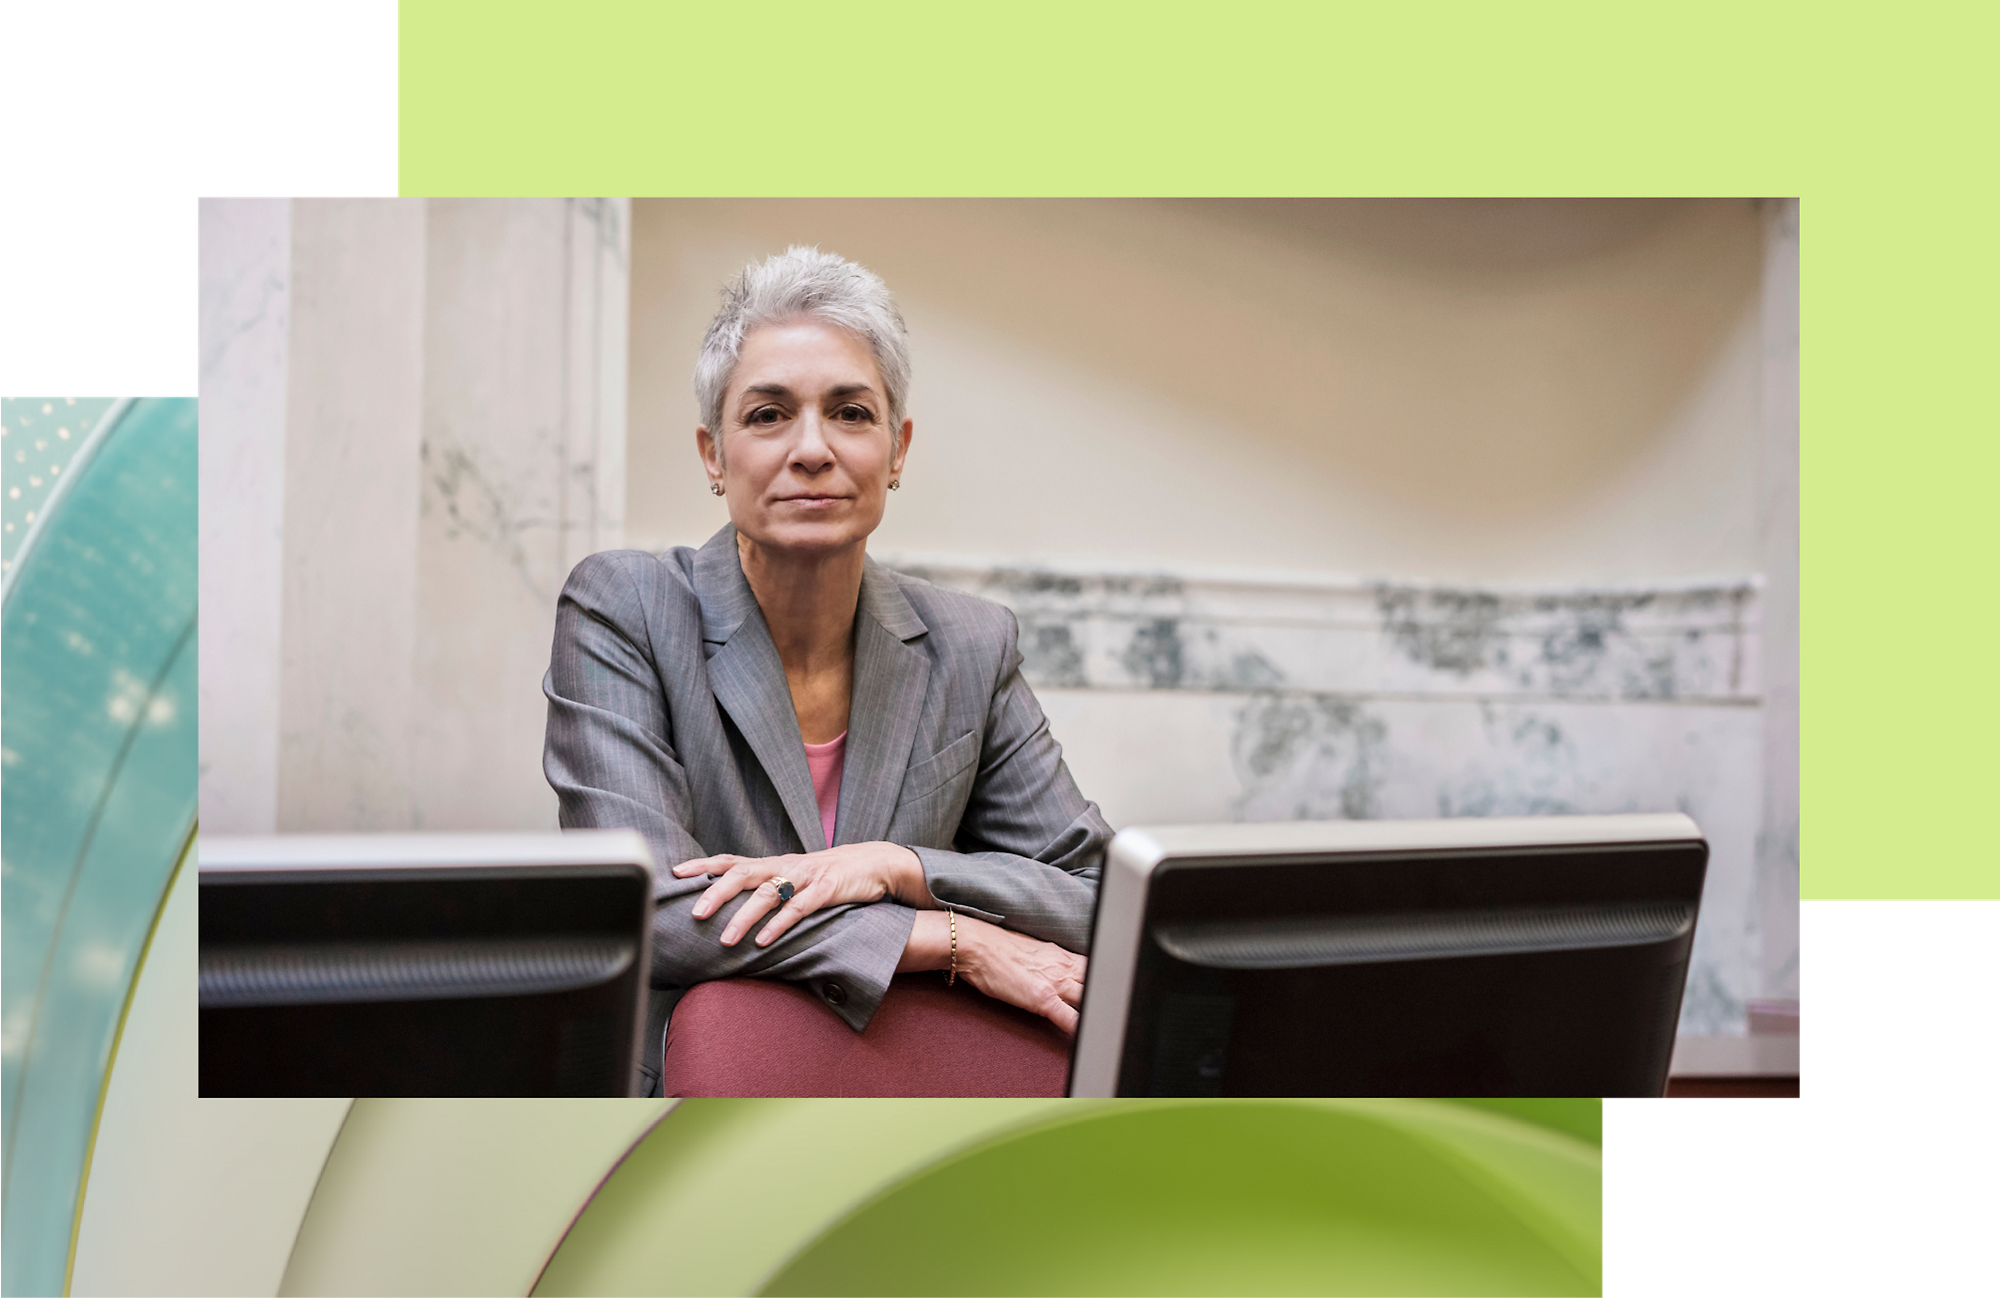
(951, 917)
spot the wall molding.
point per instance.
(1690, 643)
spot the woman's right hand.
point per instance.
(1037, 976)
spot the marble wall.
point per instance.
(246, 272)
(522, 468)
(1778, 560)
(1184, 697)
(413, 425)
(349, 491)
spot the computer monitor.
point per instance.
(423, 964)
(1537, 956)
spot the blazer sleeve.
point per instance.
(1029, 846)
(610, 757)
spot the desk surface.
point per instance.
(1759, 1056)
(1698, 1088)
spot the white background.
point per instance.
(119, 115)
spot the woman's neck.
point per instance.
(808, 603)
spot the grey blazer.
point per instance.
(669, 714)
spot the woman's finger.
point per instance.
(763, 900)
(804, 902)
(705, 865)
(734, 880)
(1063, 1016)
(1073, 980)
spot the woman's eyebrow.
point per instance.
(767, 390)
(850, 390)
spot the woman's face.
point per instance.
(804, 456)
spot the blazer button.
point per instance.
(835, 994)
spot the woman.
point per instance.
(839, 769)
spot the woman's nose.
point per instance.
(810, 451)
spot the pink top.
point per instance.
(824, 761)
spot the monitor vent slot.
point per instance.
(319, 973)
(1312, 940)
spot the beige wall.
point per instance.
(1533, 390)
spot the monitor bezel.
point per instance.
(1138, 853)
(246, 860)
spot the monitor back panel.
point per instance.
(1502, 972)
(513, 980)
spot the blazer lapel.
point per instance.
(891, 677)
(749, 681)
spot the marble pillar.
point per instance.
(1778, 546)
(413, 427)
(246, 271)
(522, 475)
(353, 434)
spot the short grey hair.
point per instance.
(804, 283)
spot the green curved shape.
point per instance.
(1274, 1197)
(1087, 1197)
(98, 754)
(1583, 1119)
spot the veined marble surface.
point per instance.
(1215, 696)
(246, 271)
(413, 427)
(523, 474)
(1688, 643)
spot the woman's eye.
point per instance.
(765, 416)
(855, 415)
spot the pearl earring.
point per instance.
(714, 488)
(894, 483)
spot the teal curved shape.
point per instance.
(40, 440)
(98, 755)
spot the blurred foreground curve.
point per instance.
(98, 738)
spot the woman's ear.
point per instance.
(709, 446)
(902, 447)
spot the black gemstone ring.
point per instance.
(785, 890)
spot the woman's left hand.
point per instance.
(845, 875)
